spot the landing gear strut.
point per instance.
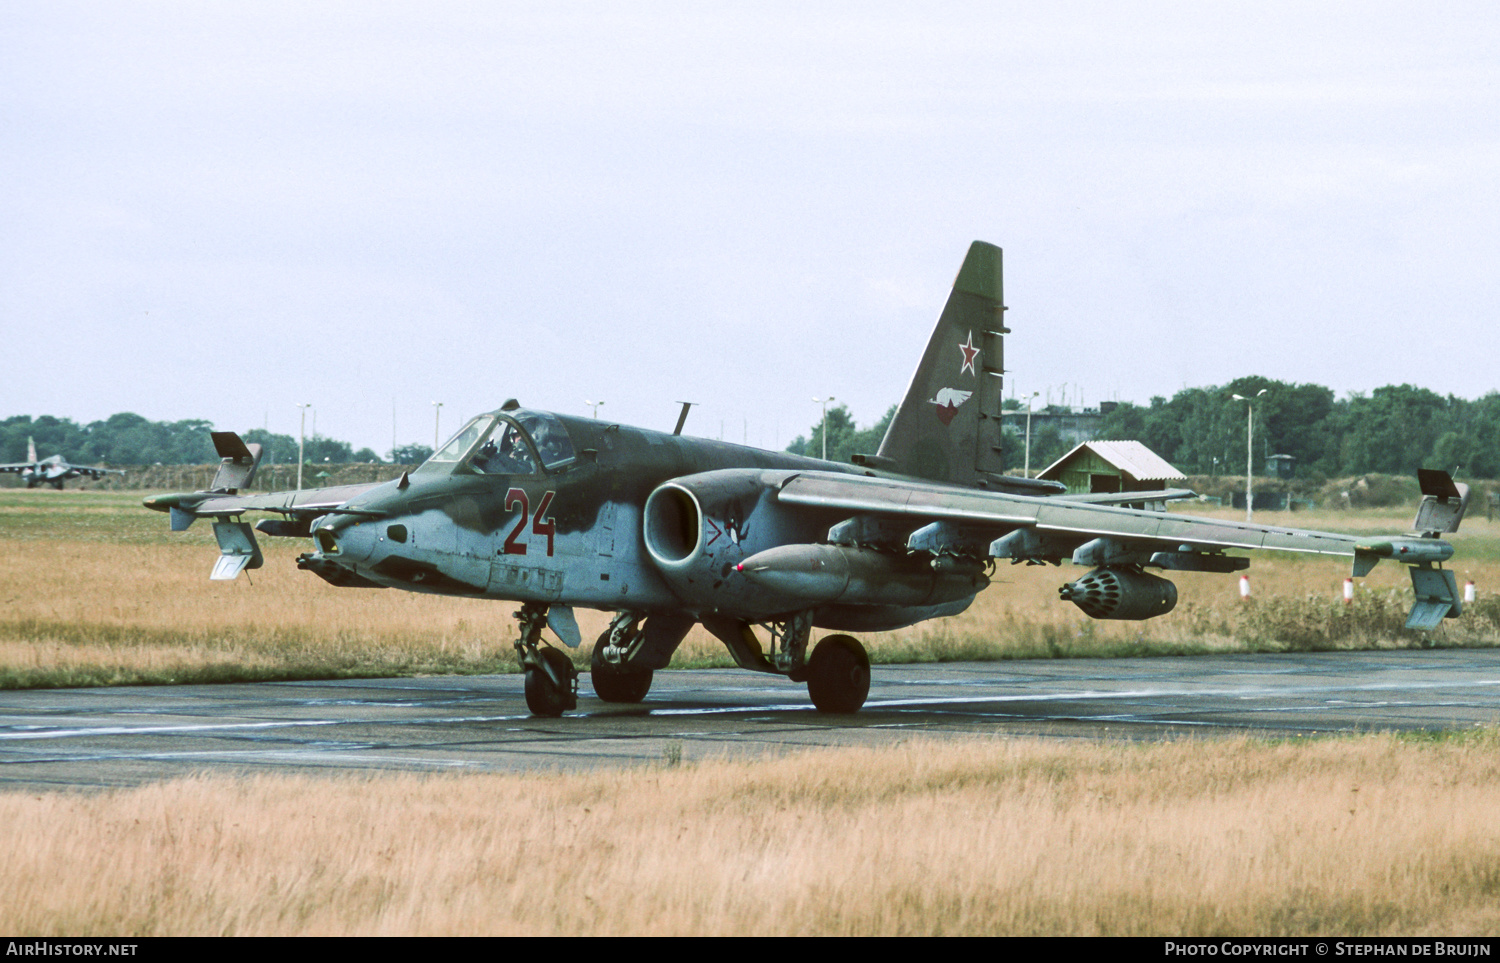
(614, 679)
(551, 680)
(837, 673)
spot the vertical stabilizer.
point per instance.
(31, 449)
(948, 426)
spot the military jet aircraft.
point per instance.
(668, 532)
(52, 471)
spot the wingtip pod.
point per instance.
(1435, 588)
(981, 273)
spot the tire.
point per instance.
(617, 683)
(544, 697)
(838, 675)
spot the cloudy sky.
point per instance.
(220, 210)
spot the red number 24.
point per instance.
(542, 525)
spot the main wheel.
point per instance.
(544, 695)
(838, 675)
(617, 683)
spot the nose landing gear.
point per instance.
(551, 680)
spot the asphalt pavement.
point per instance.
(92, 738)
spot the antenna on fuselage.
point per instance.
(682, 418)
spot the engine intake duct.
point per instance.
(1120, 593)
(674, 525)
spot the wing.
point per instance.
(223, 503)
(948, 521)
(237, 545)
(297, 505)
(939, 520)
(95, 472)
(16, 467)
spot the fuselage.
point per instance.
(537, 507)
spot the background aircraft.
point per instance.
(666, 531)
(52, 471)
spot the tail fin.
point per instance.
(31, 449)
(948, 426)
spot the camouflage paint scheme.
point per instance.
(667, 531)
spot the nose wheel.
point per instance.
(838, 675)
(551, 680)
(551, 686)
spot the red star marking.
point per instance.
(970, 353)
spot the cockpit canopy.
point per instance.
(513, 443)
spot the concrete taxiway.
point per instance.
(91, 738)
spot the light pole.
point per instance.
(595, 405)
(437, 421)
(824, 402)
(301, 444)
(1027, 470)
(1249, 451)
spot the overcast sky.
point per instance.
(220, 210)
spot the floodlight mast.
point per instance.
(1249, 451)
(301, 443)
(1027, 469)
(824, 402)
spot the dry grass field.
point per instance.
(95, 590)
(1371, 835)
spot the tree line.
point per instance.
(130, 439)
(1395, 429)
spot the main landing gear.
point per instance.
(551, 680)
(614, 678)
(837, 672)
(838, 675)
